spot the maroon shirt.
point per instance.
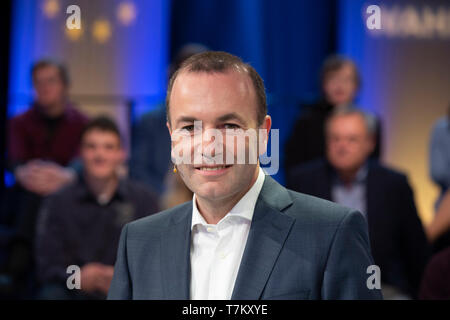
(436, 280)
(32, 135)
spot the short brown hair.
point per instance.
(44, 63)
(334, 63)
(102, 123)
(221, 62)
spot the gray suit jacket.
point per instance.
(299, 247)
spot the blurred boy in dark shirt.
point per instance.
(80, 225)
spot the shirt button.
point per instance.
(210, 229)
(222, 255)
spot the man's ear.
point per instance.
(168, 127)
(123, 155)
(266, 126)
(372, 143)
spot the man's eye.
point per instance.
(109, 147)
(231, 126)
(188, 128)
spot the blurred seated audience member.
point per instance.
(150, 155)
(436, 280)
(340, 82)
(176, 191)
(45, 139)
(438, 231)
(42, 142)
(81, 224)
(440, 154)
(347, 176)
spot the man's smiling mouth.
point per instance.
(213, 168)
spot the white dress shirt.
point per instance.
(217, 249)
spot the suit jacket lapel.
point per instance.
(268, 232)
(175, 255)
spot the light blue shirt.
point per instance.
(440, 153)
(353, 196)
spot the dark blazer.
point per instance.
(397, 238)
(299, 247)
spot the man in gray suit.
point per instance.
(243, 236)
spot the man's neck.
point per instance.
(55, 110)
(351, 176)
(347, 176)
(214, 210)
(103, 188)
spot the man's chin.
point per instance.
(212, 191)
(100, 175)
(346, 167)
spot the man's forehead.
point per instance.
(196, 88)
(46, 70)
(345, 69)
(230, 76)
(219, 116)
(99, 134)
(348, 123)
(351, 117)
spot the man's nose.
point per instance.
(210, 143)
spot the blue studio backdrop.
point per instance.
(286, 42)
